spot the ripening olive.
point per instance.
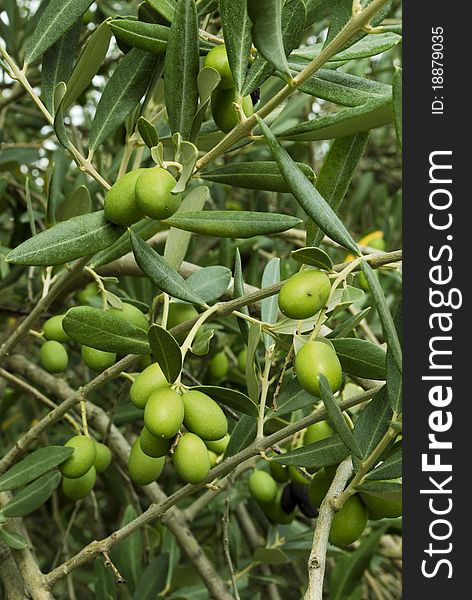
(219, 365)
(348, 523)
(319, 486)
(120, 205)
(53, 356)
(131, 314)
(383, 505)
(297, 477)
(147, 382)
(52, 329)
(102, 457)
(203, 416)
(316, 432)
(82, 458)
(223, 110)
(217, 59)
(314, 359)
(304, 294)
(218, 446)
(191, 458)
(275, 513)
(262, 487)
(154, 446)
(78, 488)
(301, 495)
(143, 469)
(153, 193)
(97, 360)
(164, 413)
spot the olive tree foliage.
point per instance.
(288, 168)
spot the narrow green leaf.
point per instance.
(373, 422)
(77, 237)
(88, 63)
(153, 579)
(146, 36)
(388, 326)
(394, 376)
(210, 282)
(238, 292)
(105, 587)
(32, 496)
(104, 331)
(293, 24)
(124, 90)
(337, 419)
(391, 468)
(148, 132)
(324, 453)
(381, 487)
(232, 398)
(266, 19)
(207, 81)
(57, 18)
(361, 357)
(232, 224)
(349, 568)
(313, 257)
(341, 14)
(177, 240)
(242, 436)
(292, 397)
(374, 113)
(58, 62)
(166, 8)
(237, 34)
(33, 466)
(270, 306)
(336, 175)
(181, 69)
(79, 203)
(271, 556)
(397, 103)
(59, 124)
(345, 328)
(158, 270)
(371, 45)
(307, 196)
(166, 352)
(263, 175)
(342, 298)
(12, 539)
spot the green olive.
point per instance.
(131, 314)
(297, 477)
(203, 416)
(53, 356)
(83, 457)
(223, 110)
(154, 446)
(213, 458)
(275, 513)
(179, 312)
(319, 486)
(164, 413)
(102, 457)
(316, 432)
(383, 505)
(314, 359)
(279, 472)
(147, 382)
(78, 488)
(88, 292)
(191, 458)
(242, 357)
(97, 360)
(304, 294)
(218, 446)
(153, 193)
(217, 59)
(120, 204)
(219, 364)
(262, 487)
(52, 329)
(348, 523)
(143, 469)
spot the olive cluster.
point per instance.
(79, 471)
(223, 98)
(166, 413)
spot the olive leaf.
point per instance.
(232, 398)
(147, 36)
(326, 452)
(360, 357)
(165, 351)
(32, 496)
(237, 34)
(313, 257)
